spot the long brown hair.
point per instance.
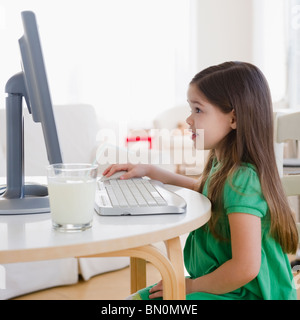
(243, 88)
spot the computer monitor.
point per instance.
(32, 85)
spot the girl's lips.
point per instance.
(194, 135)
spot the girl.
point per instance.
(241, 252)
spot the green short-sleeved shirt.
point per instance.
(203, 253)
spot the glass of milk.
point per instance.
(72, 190)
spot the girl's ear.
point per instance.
(233, 120)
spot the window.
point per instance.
(130, 59)
(269, 38)
(293, 19)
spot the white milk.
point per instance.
(72, 201)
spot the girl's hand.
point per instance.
(156, 291)
(153, 172)
(133, 171)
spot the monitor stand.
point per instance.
(18, 197)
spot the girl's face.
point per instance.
(211, 119)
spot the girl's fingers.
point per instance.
(127, 175)
(106, 170)
(156, 291)
(115, 168)
(157, 294)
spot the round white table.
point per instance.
(31, 238)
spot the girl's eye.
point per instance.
(198, 110)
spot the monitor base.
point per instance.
(36, 200)
(27, 205)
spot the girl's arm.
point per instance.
(242, 268)
(153, 172)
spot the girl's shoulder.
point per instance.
(243, 176)
(246, 174)
(242, 192)
(245, 166)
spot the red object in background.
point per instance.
(138, 138)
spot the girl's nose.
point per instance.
(189, 120)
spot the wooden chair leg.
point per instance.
(174, 252)
(137, 274)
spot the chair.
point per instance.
(287, 128)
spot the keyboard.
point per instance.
(136, 196)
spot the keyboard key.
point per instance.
(105, 200)
(127, 193)
(137, 195)
(155, 194)
(146, 195)
(119, 195)
(112, 196)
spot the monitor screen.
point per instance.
(36, 85)
(32, 85)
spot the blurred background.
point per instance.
(133, 59)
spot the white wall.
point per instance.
(224, 31)
(246, 30)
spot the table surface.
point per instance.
(31, 237)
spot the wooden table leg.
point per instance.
(170, 268)
(137, 274)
